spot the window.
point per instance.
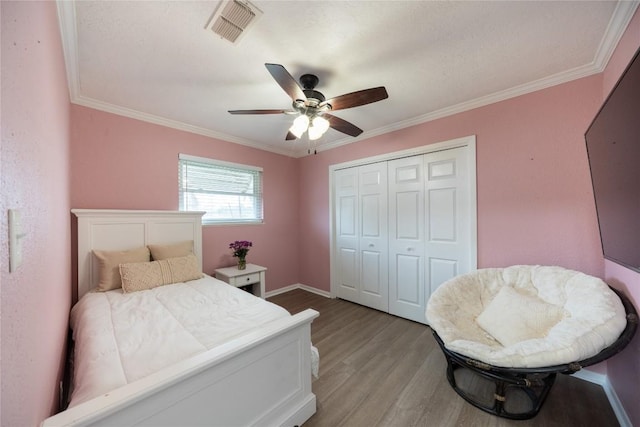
(227, 192)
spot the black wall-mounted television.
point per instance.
(613, 146)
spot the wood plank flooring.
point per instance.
(381, 370)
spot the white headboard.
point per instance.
(112, 230)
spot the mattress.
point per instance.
(122, 337)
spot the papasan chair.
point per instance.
(507, 332)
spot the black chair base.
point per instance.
(512, 395)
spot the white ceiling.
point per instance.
(155, 61)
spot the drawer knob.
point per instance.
(248, 278)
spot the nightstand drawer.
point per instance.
(247, 279)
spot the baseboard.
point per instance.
(614, 400)
(616, 404)
(298, 286)
(279, 291)
(315, 291)
(590, 376)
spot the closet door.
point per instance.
(374, 260)
(402, 227)
(449, 209)
(347, 243)
(407, 297)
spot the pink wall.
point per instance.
(121, 163)
(35, 299)
(535, 203)
(624, 369)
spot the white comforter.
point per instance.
(120, 337)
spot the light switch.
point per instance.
(15, 237)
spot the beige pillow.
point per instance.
(174, 250)
(512, 317)
(110, 260)
(148, 275)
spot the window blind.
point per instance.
(227, 192)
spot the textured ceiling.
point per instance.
(155, 61)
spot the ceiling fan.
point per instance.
(313, 108)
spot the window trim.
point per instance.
(215, 162)
(211, 161)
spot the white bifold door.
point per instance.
(402, 227)
(430, 214)
(361, 235)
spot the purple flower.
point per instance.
(240, 248)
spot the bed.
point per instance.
(253, 366)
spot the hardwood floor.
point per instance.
(381, 370)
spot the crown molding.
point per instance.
(174, 124)
(618, 23)
(69, 38)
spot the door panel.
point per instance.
(371, 281)
(347, 248)
(348, 268)
(371, 207)
(347, 214)
(442, 216)
(408, 209)
(406, 238)
(441, 270)
(374, 262)
(408, 275)
(448, 240)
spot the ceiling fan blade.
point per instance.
(342, 125)
(259, 111)
(286, 82)
(355, 99)
(290, 137)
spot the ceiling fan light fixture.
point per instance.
(319, 126)
(314, 134)
(300, 125)
(321, 123)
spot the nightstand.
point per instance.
(253, 275)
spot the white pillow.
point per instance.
(512, 317)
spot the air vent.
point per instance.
(232, 19)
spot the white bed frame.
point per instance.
(260, 379)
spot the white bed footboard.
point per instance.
(260, 379)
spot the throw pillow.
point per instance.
(512, 317)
